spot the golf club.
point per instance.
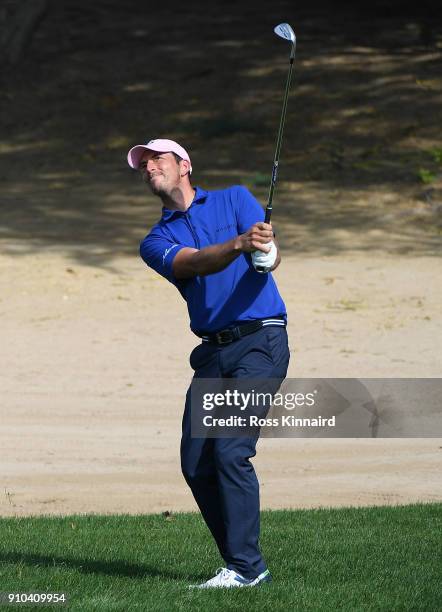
(284, 31)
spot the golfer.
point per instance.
(210, 245)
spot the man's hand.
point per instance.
(256, 238)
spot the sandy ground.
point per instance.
(94, 346)
(95, 367)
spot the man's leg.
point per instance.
(240, 504)
(264, 356)
(197, 454)
(199, 470)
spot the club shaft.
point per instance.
(269, 206)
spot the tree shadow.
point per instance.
(364, 117)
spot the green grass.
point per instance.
(379, 558)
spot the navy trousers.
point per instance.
(218, 470)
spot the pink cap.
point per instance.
(159, 145)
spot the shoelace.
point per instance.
(221, 573)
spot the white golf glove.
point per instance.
(263, 262)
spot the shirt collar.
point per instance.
(200, 198)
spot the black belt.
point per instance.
(226, 336)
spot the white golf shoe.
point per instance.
(227, 579)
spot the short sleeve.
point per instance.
(158, 252)
(248, 209)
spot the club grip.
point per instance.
(268, 214)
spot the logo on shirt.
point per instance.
(167, 251)
(224, 228)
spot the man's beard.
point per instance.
(156, 189)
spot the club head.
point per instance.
(284, 30)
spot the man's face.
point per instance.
(161, 172)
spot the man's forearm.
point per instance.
(190, 262)
(209, 260)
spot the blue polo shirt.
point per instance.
(236, 294)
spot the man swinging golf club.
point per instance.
(218, 250)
